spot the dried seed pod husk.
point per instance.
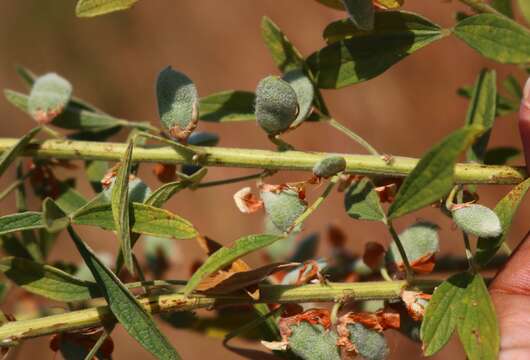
(276, 105)
(329, 166)
(477, 220)
(178, 101)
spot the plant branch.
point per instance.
(465, 173)
(481, 7)
(357, 138)
(271, 294)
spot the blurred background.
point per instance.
(112, 61)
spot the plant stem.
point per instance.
(358, 139)
(465, 173)
(469, 253)
(409, 273)
(481, 7)
(270, 294)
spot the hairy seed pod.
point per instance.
(49, 96)
(276, 105)
(283, 207)
(524, 123)
(477, 220)
(370, 344)
(329, 166)
(177, 103)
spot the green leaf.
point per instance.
(305, 93)
(73, 118)
(120, 206)
(503, 6)
(477, 324)
(11, 154)
(504, 105)
(313, 342)
(396, 34)
(129, 312)
(505, 210)
(227, 106)
(47, 281)
(501, 155)
(69, 199)
(361, 13)
(432, 178)
(482, 111)
(227, 255)
(525, 9)
(145, 219)
(48, 98)
(419, 240)
(441, 315)
(21, 221)
(53, 217)
(285, 55)
(178, 102)
(496, 38)
(334, 4)
(161, 195)
(283, 208)
(362, 202)
(95, 170)
(511, 84)
(91, 8)
(477, 220)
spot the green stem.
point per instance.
(369, 165)
(269, 294)
(358, 139)
(409, 273)
(14, 185)
(481, 7)
(469, 253)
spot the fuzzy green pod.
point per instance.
(276, 105)
(283, 207)
(329, 166)
(419, 240)
(305, 93)
(370, 344)
(48, 97)
(313, 342)
(477, 220)
(138, 190)
(178, 101)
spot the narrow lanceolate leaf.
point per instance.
(47, 281)
(48, 98)
(91, 8)
(11, 154)
(525, 9)
(442, 312)
(503, 6)
(362, 202)
(53, 216)
(21, 221)
(505, 210)
(120, 206)
(285, 55)
(477, 324)
(432, 178)
(161, 195)
(144, 219)
(369, 54)
(334, 4)
(482, 109)
(496, 38)
(227, 255)
(305, 93)
(129, 312)
(501, 155)
(178, 103)
(361, 13)
(226, 106)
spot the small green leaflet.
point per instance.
(524, 5)
(70, 200)
(501, 155)
(21, 221)
(361, 13)
(505, 210)
(482, 109)
(47, 281)
(285, 55)
(227, 255)
(161, 195)
(432, 178)
(368, 54)
(362, 202)
(145, 219)
(53, 217)
(136, 321)
(496, 37)
(463, 302)
(305, 93)
(10, 155)
(48, 97)
(120, 206)
(91, 8)
(226, 106)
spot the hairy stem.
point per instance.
(271, 294)
(260, 159)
